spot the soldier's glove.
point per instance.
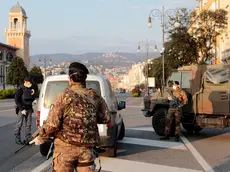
(170, 98)
(36, 141)
(23, 112)
(180, 106)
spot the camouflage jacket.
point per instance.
(180, 96)
(74, 116)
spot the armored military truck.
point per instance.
(208, 91)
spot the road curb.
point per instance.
(44, 167)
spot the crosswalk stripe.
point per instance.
(121, 165)
(141, 128)
(153, 143)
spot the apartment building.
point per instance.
(222, 49)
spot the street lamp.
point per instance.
(147, 44)
(162, 14)
(45, 60)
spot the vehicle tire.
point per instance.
(190, 128)
(44, 148)
(158, 122)
(122, 132)
(112, 151)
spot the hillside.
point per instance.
(106, 59)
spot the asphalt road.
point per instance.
(141, 148)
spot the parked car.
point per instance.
(109, 133)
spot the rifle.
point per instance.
(28, 141)
(34, 135)
(50, 151)
(175, 103)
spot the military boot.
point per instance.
(165, 138)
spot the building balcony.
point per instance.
(226, 55)
(18, 31)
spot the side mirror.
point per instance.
(121, 105)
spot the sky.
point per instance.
(78, 26)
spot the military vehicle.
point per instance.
(208, 91)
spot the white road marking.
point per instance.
(141, 129)
(121, 165)
(197, 155)
(191, 148)
(153, 143)
(135, 166)
(7, 110)
(130, 106)
(43, 166)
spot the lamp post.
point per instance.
(45, 60)
(162, 14)
(147, 44)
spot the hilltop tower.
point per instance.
(17, 34)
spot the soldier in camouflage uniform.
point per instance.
(181, 97)
(72, 121)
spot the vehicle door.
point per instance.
(114, 109)
(215, 96)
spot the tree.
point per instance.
(16, 72)
(180, 49)
(36, 74)
(206, 27)
(62, 73)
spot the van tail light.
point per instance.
(38, 118)
(109, 124)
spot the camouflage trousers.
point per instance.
(67, 158)
(173, 112)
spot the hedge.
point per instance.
(10, 93)
(135, 95)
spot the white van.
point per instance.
(110, 133)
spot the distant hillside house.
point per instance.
(7, 53)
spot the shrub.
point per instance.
(136, 92)
(6, 94)
(10, 93)
(135, 95)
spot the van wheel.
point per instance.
(111, 152)
(158, 122)
(44, 148)
(122, 132)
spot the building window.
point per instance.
(2, 73)
(15, 23)
(9, 57)
(1, 55)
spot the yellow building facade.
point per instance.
(17, 34)
(222, 49)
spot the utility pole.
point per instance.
(163, 41)
(161, 14)
(147, 45)
(45, 60)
